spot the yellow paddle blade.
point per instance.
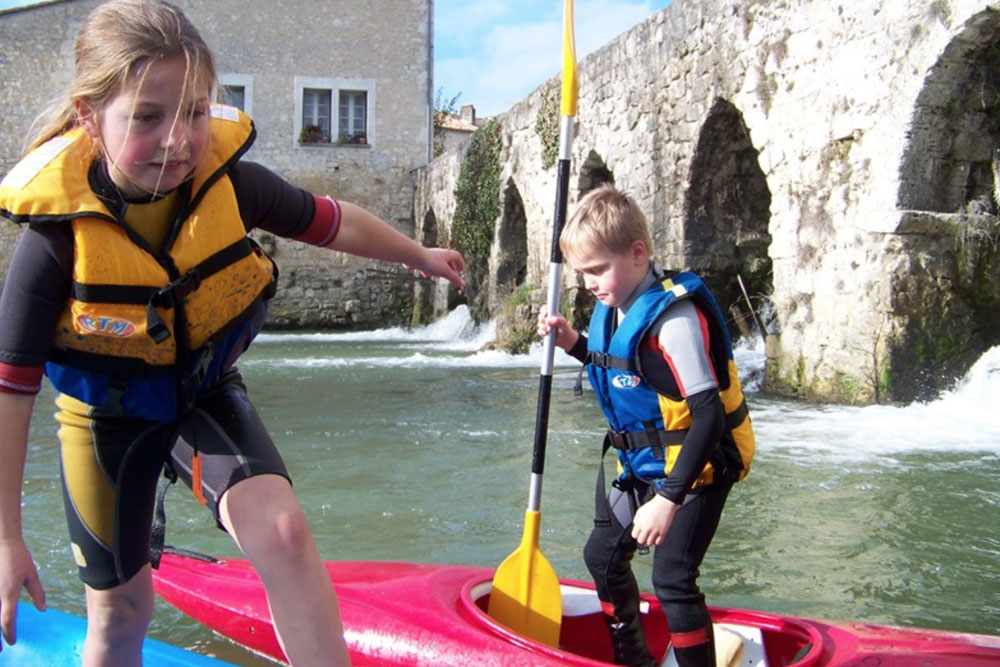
(526, 596)
(570, 84)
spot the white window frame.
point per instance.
(246, 82)
(335, 85)
(315, 110)
(351, 116)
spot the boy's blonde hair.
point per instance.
(605, 219)
(116, 40)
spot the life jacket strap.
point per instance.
(168, 297)
(628, 440)
(159, 534)
(173, 294)
(603, 360)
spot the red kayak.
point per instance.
(417, 614)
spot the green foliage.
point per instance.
(522, 294)
(850, 388)
(442, 109)
(516, 321)
(477, 197)
(547, 126)
(313, 134)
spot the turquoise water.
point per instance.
(416, 446)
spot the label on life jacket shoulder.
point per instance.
(225, 112)
(28, 168)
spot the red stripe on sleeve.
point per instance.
(20, 379)
(703, 323)
(325, 223)
(673, 368)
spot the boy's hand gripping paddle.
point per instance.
(526, 595)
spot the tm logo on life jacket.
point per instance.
(625, 381)
(106, 326)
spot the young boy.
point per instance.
(660, 362)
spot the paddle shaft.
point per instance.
(526, 595)
(555, 273)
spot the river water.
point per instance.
(416, 446)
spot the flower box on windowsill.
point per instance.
(313, 134)
(353, 140)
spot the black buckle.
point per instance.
(619, 440)
(155, 328)
(169, 297)
(600, 359)
(173, 293)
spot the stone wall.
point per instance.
(838, 157)
(275, 45)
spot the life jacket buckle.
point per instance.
(176, 290)
(600, 359)
(619, 440)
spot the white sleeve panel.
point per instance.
(683, 339)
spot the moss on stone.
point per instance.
(477, 197)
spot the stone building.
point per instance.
(838, 157)
(341, 96)
(454, 129)
(837, 160)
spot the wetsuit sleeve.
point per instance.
(270, 203)
(34, 291)
(682, 337)
(683, 341)
(708, 422)
(579, 349)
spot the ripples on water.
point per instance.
(416, 445)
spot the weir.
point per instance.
(838, 157)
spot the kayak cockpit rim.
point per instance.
(763, 633)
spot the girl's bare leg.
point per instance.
(265, 519)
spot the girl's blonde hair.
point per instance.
(115, 41)
(605, 219)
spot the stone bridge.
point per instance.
(834, 157)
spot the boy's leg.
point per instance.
(117, 619)
(608, 555)
(266, 521)
(676, 565)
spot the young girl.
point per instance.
(136, 287)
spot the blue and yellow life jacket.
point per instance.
(144, 329)
(647, 423)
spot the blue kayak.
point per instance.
(55, 639)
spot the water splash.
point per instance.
(966, 418)
(457, 328)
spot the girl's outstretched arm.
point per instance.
(364, 234)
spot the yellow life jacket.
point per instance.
(137, 312)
